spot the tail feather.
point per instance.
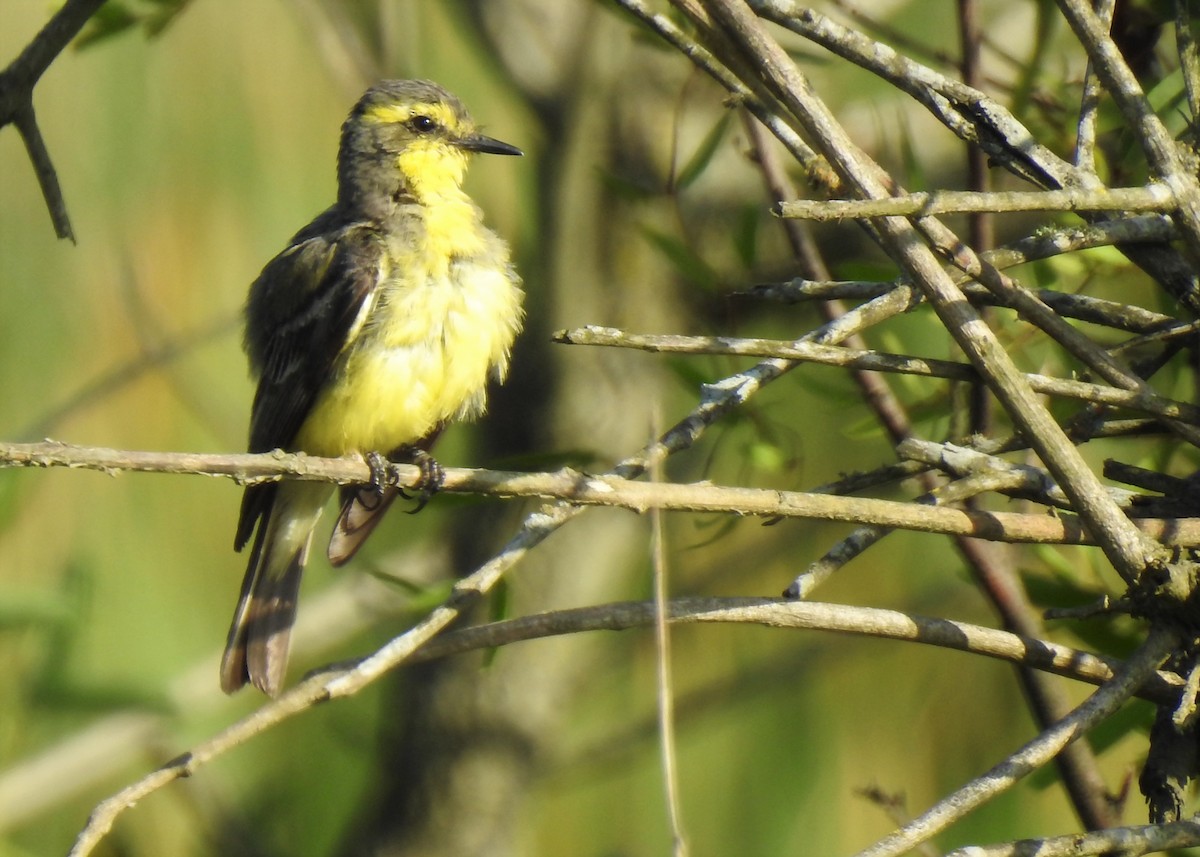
(362, 510)
(363, 507)
(257, 647)
(233, 662)
(269, 626)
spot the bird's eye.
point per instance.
(422, 124)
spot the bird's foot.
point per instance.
(433, 475)
(381, 472)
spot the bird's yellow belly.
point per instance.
(423, 357)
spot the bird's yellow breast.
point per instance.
(443, 320)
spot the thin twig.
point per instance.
(665, 687)
(816, 168)
(1160, 687)
(965, 110)
(1189, 57)
(1185, 713)
(1126, 841)
(961, 461)
(875, 361)
(876, 391)
(895, 806)
(1089, 107)
(17, 83)
(1044, 244)
(862, 538)
(1106, 313)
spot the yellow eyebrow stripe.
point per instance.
(388, 113)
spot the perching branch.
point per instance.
(575, 488)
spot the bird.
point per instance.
(381, 322)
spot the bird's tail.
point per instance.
(362, 510)
(257, 648)
(363, 506)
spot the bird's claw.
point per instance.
(371, 495)
(380, 471)
(433, 475)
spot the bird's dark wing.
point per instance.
(304, 308)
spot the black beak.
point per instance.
(487, 145)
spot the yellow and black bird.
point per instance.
(382, 321)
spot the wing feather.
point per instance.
(305, 307)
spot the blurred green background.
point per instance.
(187, 160)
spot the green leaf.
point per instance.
(745, 235)
(767, 457)
(683, 258)
(157, 21)
(700, 159)
(110, 20)
(627, 189)
(1059, 590)
(114, 18)
(689, 372)
(1045, 28)
(914, 170)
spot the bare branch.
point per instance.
(1089, 107)
(1107, 313)
(875, 361)
(865, 537)
(17, 82)
(1128, 550)
(1159, 146)
(887, 624)
(962, 462)
(979, 120)
(1153, 197)
(1189, 56)
(577, 489)
(1126, 841)
(665, 685)
(1162, 687)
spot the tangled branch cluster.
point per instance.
(730, 40)
(1143, 531)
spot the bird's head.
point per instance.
(411, 138)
